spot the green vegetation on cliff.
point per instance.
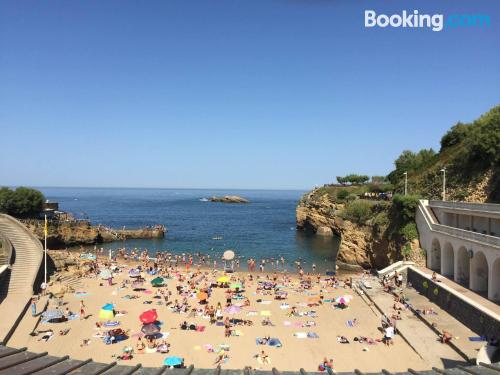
(470, 154)
(22, 202)
(374, 217)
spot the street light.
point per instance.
(444, 183)
(406, 182)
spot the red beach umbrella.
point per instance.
(149, 316)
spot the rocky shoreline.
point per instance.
(360, 245)
(63, 234)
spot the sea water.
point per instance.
(262, 229)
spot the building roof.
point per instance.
(22, 362)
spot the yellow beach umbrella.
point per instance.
(223, 279)
(106, 314)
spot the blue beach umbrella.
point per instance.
(105, 274)
(134, 272)
(108, 306)
(173, 361)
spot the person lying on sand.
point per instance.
(263, 358)
(342, 340)
(445, 337)
(221, 357)
(47, 335)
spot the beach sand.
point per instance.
(295, 353)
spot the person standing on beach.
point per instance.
(33, 306)
(82, 310)
(43, 287)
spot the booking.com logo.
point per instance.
(435, 22)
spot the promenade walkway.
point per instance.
(474, 296)
(416, 332)
(17, 287)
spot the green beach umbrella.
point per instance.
(157, 281)
(236, 286)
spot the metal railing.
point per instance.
(483, 207)
(457, 232)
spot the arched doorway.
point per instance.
(463, 267)
(494, 293)
(435, 258)
(448, 260)
(479, 273)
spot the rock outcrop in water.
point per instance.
(64, 234)
(229, 199)
(360, 245)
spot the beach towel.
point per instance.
(312, 335)
(165, 335)
(350, 323)
(236, 332)
(252, 313)
(284, 306)
(200, 328)
(287, 323)
(300, 335)
(219, 324)
(478, 338)
(111, 324)
(265, 302)
(81, 294)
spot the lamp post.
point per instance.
(406, 182)
(444, 183)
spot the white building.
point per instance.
(462, 241)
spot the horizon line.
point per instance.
(157, 188)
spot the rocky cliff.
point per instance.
(360, 245)
(75, 233)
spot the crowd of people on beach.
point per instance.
(192, 285)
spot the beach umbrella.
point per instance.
(157, 281)
(228, 255)
(236, 286)
(149, 316)
(233, 309)
(134, 272)
(202, 296)
(105, 274)
(223, 279)
(150, 329)
(108, 306)
(341, 300)
(106, 314)
(173, 361)
(330, 273)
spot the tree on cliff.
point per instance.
(22, 202)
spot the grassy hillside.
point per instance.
(471, 155)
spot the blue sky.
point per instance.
(230, 93)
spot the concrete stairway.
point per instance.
(17, 288)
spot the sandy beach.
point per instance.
(200, 347)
